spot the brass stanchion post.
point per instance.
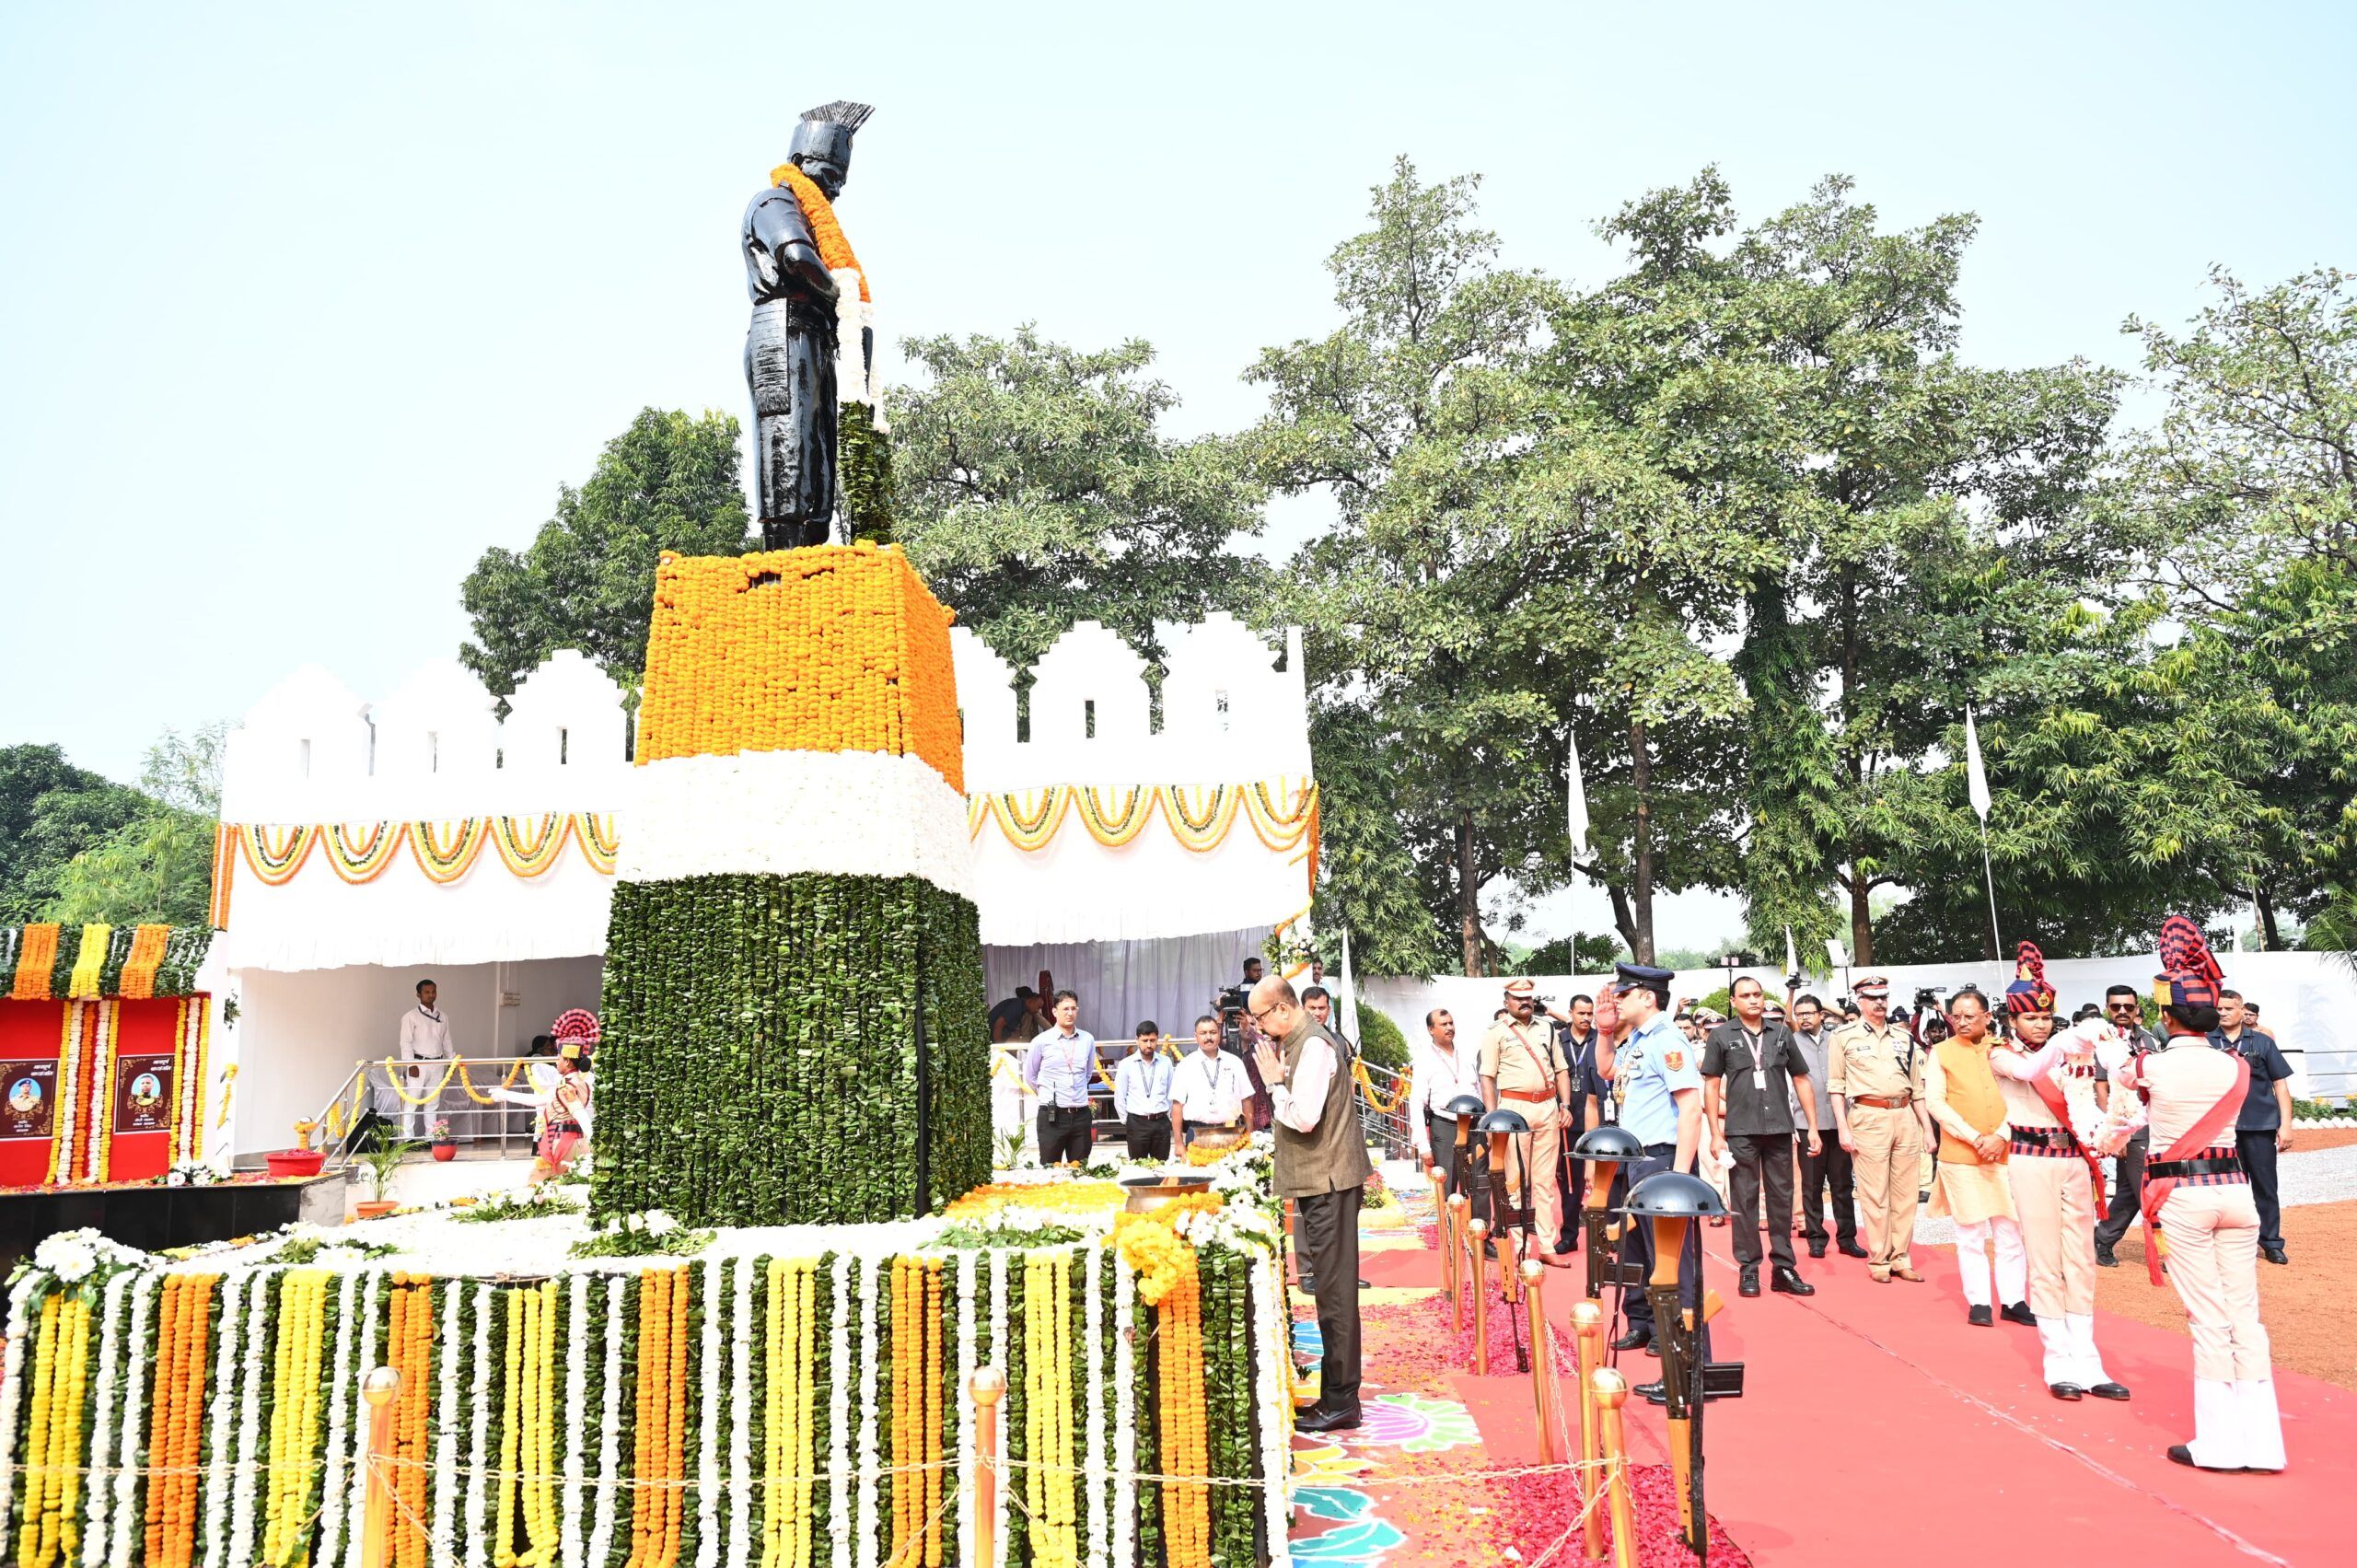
(1441, 1228)
(1457, 1205)
(378, 1388)
(1587, 1339)
(987, 1385)
(1542, 1360)
(1611, 1393)
(1479, 1230)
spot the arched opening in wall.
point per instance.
(1219, 706)
(1023, 709)
(304, 744)
(433, 750)
(563, 745)
(1088, 718)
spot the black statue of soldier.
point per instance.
(790, 347)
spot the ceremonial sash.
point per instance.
(2198, 1137)
(2050, 1093)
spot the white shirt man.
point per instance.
(1142, 1097)
(424, 1038)
(1059, 1068)
(1442, 1072)
(1209, 1088)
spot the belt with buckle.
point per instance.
(1884, 1102)
(2043, 1141)
(2179, 1170)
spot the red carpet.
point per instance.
(1875, 1424)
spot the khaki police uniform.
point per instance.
(1522, 1061)
(1880, 1073)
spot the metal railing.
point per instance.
(1384, 1130)
(365, 1108)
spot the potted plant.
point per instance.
(382, 1159)
(445, 1146)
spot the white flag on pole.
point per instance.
(1578, 815)
(1976, 777)
(1791, 953)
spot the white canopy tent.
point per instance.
(365, 846)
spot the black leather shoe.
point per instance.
(2110, 1392)
(1816, 1249)
(1365, 1284)
(2181, 1455)
(2019, 1312)
(1654, 1392)
(2066, 1391)
(1789, 1282)
(1981, 1317)
(1749, 1284)
(2274, 1255)
(2104, 1256)
(1305, 1285)
(1637, 1338)
(1317, 1418)
(1851, 1249)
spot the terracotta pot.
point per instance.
(446, 1150)
(296, 1162)
(374, 1208)
(1147, 1194)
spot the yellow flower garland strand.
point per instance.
(295, 1414)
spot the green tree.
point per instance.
(1036, 487)
(670, 481)
(1408, 416)
(158, 866)
(50, 812)
(2244, 497)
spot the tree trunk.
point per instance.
(1862, 926)
(1640, 880)
(2270, 941)
(1623, 920)
(1469, 895)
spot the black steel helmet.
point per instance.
(1674, 1196)
(1501, 1121)
(1465, 1105)
(1608, 1144)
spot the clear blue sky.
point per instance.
(302, 308)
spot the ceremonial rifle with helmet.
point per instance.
(1671, 1201)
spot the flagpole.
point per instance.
(1976, 784)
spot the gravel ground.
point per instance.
(2316, 1176)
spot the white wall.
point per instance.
(300, 1034)
(2309, 999)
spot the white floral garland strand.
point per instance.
(250, 1452)
(223, 1394)
(1275, 1420)
(134, 1425)
(714, 1292)
(601, 1530)
(369, 1355)
(868, 1416)
(94, 1510)
(1125, 1415)
(839, 1412)
(999, 1532)
(478, 1425)
(740, 1430)
(965, 1397)
(446, 1422)
(1093, 1321)
(12, 1377)
(576, 1288)
(340, 1392)
(94, 1143)
(184, 1087)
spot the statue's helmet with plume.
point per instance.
(823, 138)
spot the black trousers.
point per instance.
(1066, 1133)
(2127, 1191)
(1763, 1162)
(1451, 1161)
(1325, 1238)
(1638, 1247)
(1147, 1136)
(1828, 1172)
(1572, 1175)
(2258, 1159)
